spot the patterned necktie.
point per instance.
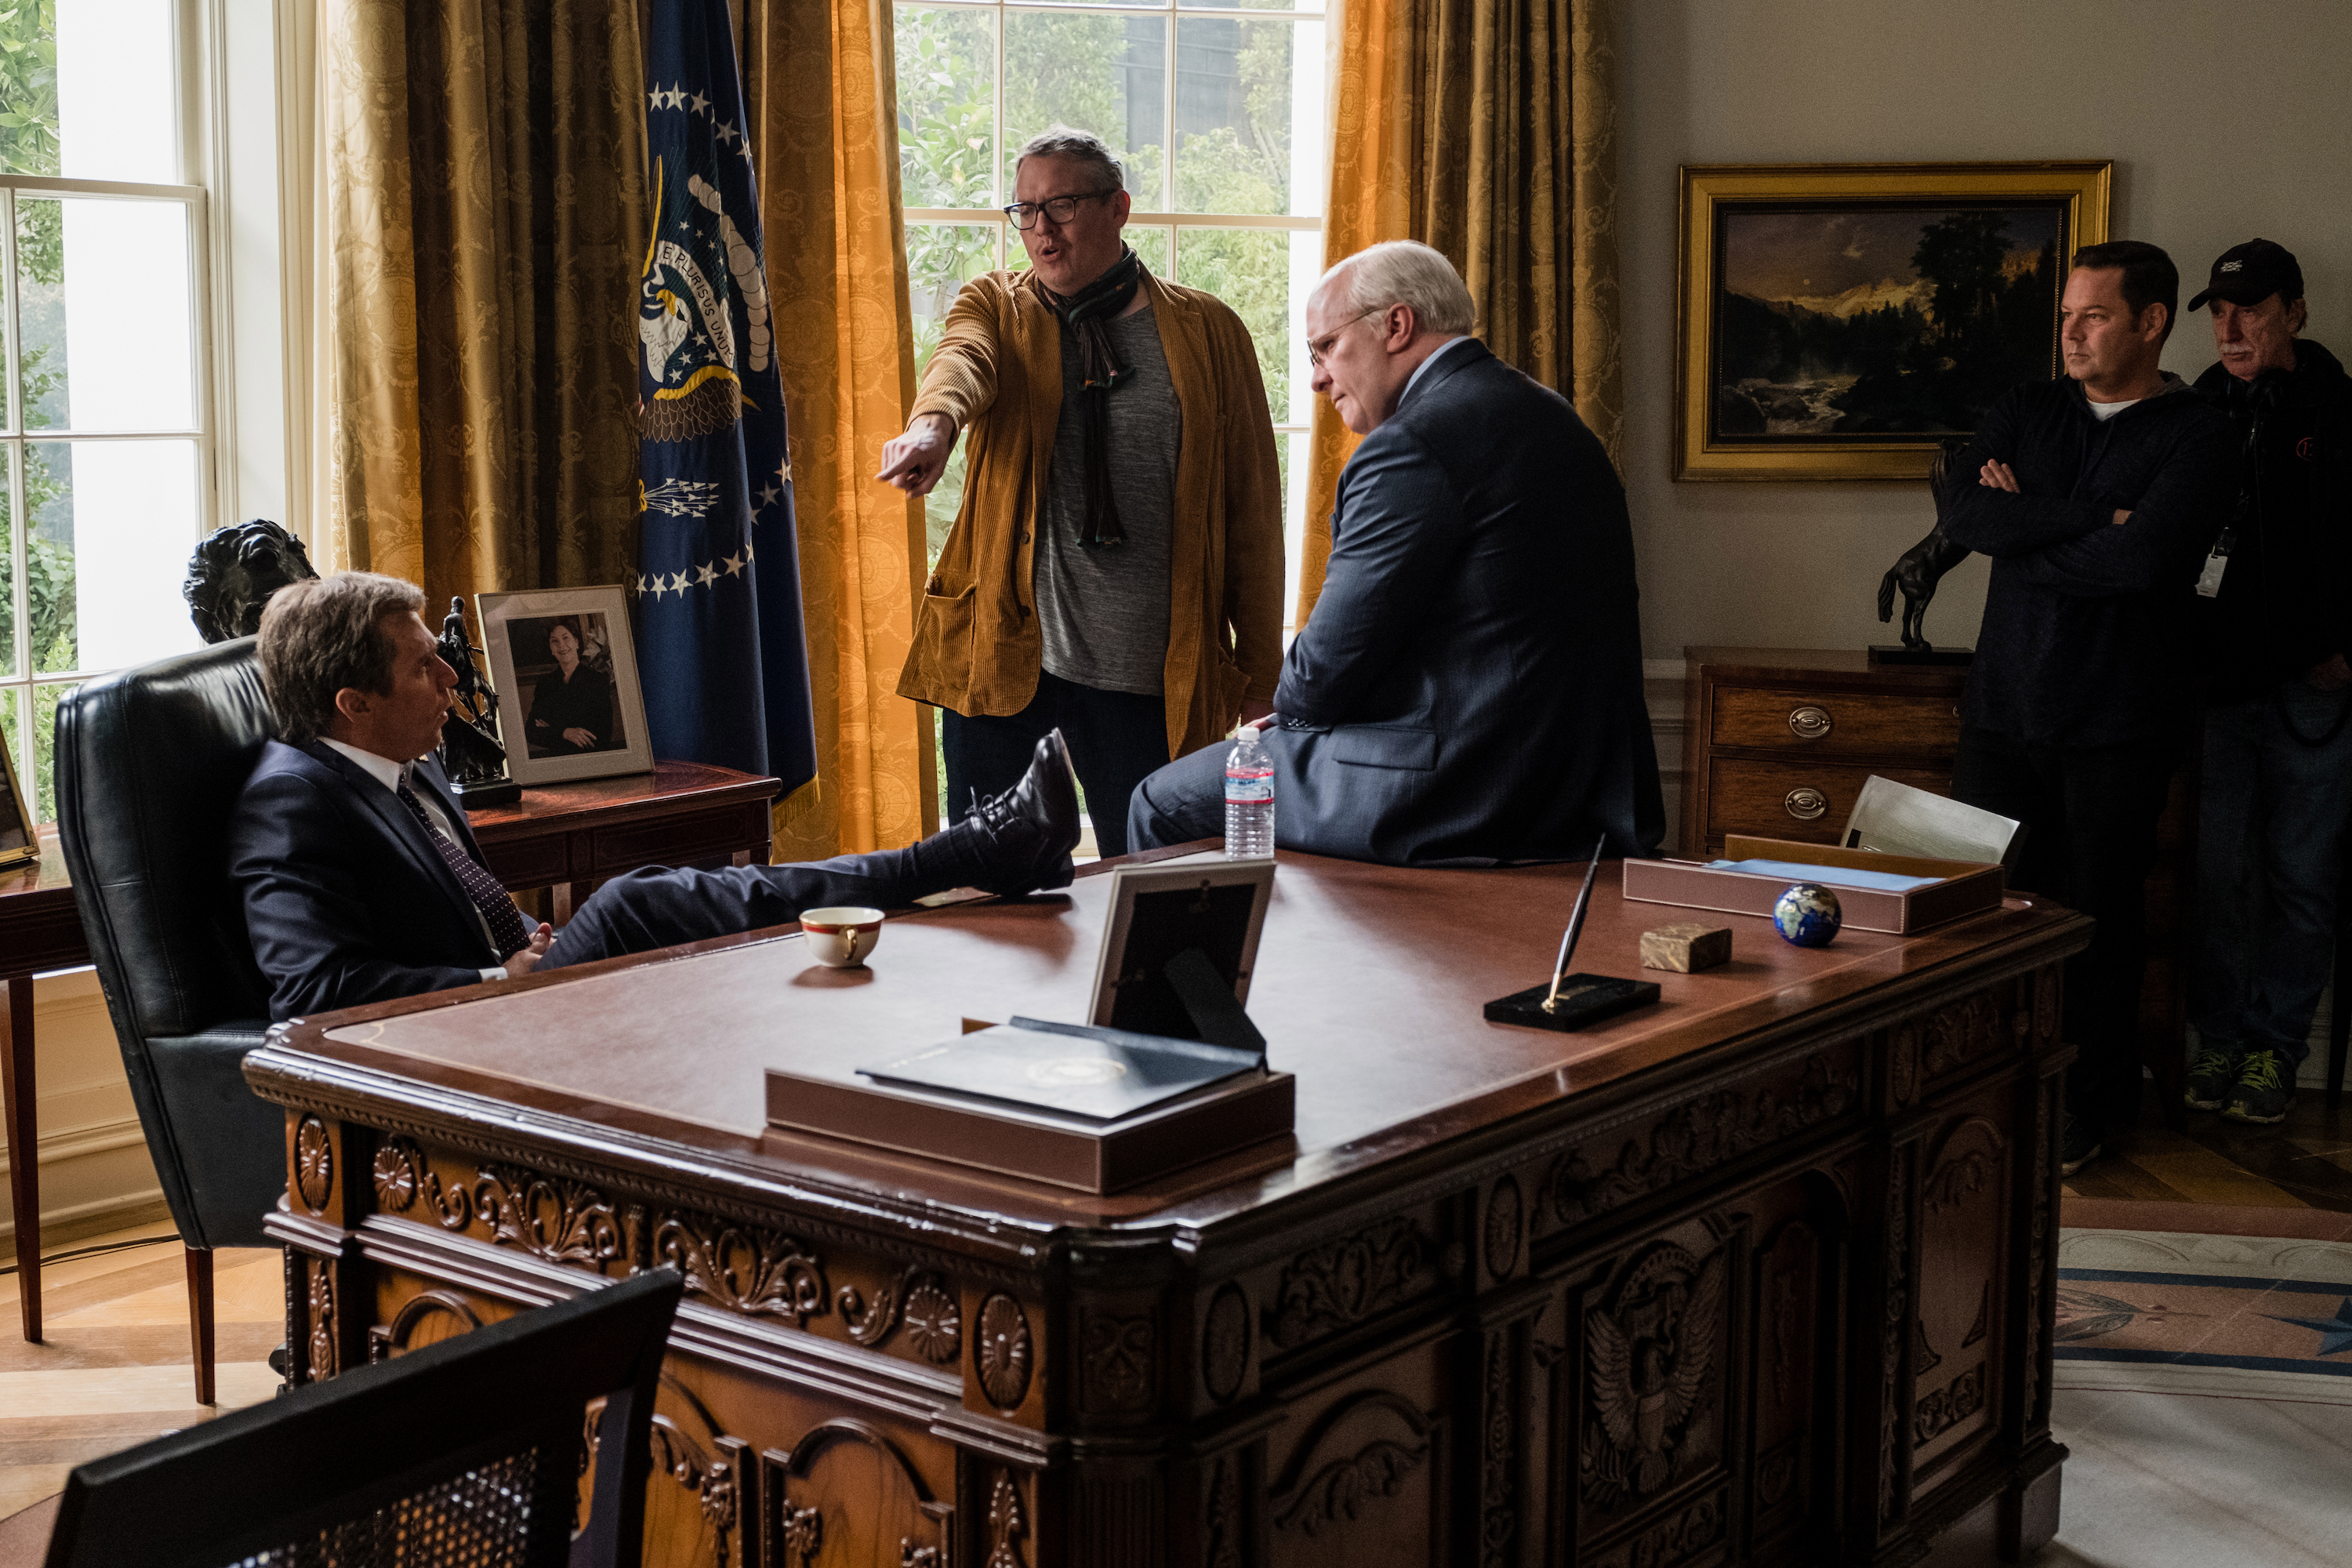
(508, 931)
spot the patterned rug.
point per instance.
(2198, 1299)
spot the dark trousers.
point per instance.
(2090, 815)
(661, 908)
(2271, 810)
(1117, 739)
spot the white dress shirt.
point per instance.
(1422, 369)
(389, 773)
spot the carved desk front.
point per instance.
(1762, 1274)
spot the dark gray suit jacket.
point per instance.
(1468, 688)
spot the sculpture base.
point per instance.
(473, 797)
(1880, 653)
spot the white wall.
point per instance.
(2225, 120)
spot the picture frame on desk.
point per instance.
(571, 705)
(19, 841)
(1835, 320)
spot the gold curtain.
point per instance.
(484, 179)
(820, 88)
(1486, 129)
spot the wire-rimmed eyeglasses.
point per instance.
(1322, 346)
(1061, 209)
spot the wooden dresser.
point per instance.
(1779, 740)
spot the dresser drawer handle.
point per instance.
(1805, 805)
(1809, 722)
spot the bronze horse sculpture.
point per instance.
(1920, 568)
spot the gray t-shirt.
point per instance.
(1104, 612)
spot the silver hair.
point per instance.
(1407, 272)
(1081, 147)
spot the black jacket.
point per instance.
(345, 899)
(2286, 599)
(1469, 687)
(2087, 624)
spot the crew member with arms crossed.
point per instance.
(2096, 495)
(1469, 688)
(2277, 770)
(360, 881)
(1115, 569)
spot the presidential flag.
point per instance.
(721, 645)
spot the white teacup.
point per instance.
(840, 938)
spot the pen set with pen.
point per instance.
(1572, 1001)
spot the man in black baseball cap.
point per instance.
(2277, 784)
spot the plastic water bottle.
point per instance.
(1249, 797)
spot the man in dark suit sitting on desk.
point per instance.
(1469, 688)
(361, 881)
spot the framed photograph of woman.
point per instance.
(1838, 321)
(570, 706)
(17, 843)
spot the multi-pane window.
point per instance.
(104, 432)
(1217, 115)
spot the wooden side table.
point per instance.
(566, 836)
(1780, 740)
(39, 929)
(570, 837)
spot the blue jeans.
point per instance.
(2269, 849)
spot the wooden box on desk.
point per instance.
(1963, 886)
(1105, 1157)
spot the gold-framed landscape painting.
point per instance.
(1837, 320)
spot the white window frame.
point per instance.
(195, 82)
(1301, 405)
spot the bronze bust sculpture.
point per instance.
(233, 573)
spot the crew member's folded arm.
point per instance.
(2170, 527)
(1402, 524)
(308, 914)
(1994, 521)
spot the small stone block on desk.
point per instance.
(1686, 949)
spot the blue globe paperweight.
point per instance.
(1807, 915)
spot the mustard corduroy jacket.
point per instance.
(998, 375)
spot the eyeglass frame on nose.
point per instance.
(1036, 210)
(1317, 347)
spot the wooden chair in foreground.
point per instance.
(466, 1452)
(150, 762)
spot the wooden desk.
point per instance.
(1763, 1274)
(566, 835)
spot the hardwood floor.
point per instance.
(2305, 1162)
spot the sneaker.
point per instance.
(2077, 1145)
(2210, 1074)
(2265, 1088)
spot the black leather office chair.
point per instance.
(466, 1451)
(148, 765)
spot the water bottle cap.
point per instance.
(1247, 732)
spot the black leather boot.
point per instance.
(1021, 840)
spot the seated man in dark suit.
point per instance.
(1469, 688)
(362, 882)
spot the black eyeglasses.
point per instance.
(1061, 209)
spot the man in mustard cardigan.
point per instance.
(1116, 568)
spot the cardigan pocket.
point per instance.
(942, 651)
